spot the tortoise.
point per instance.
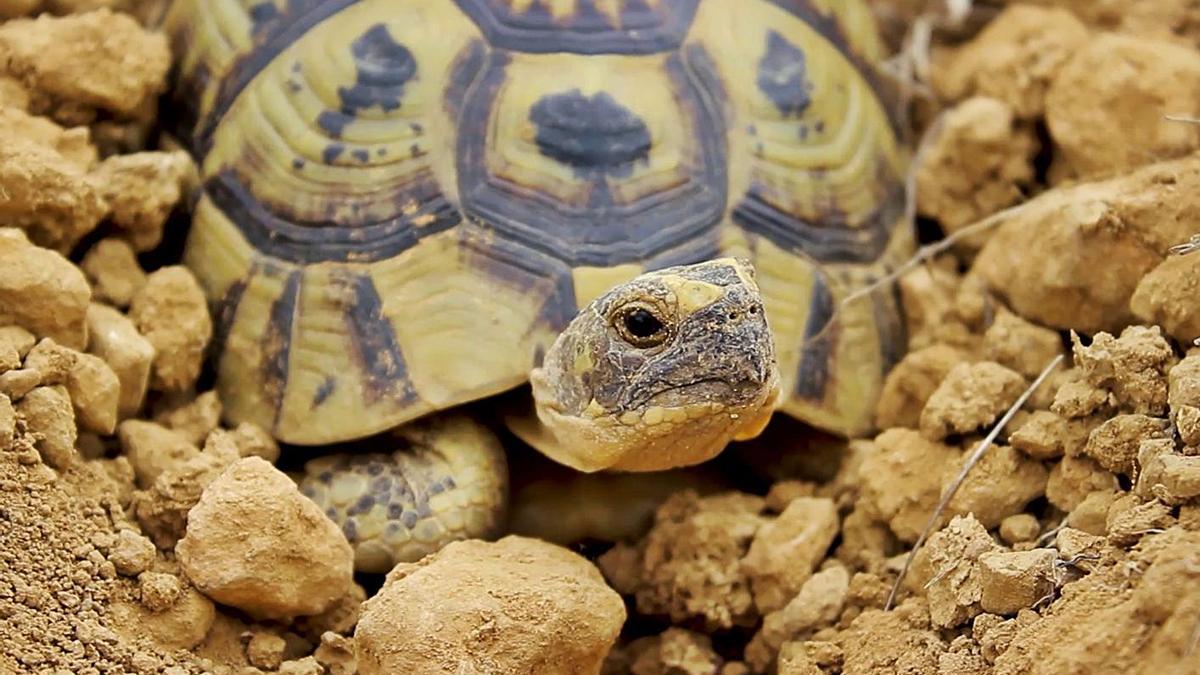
(647, 210)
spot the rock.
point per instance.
(902, 480)
(48, 412)
(1133, 367)
(688, 566)
(931, 312)
(1187, 423)
(1048, 435)
(15, 384)
(1020, 527)
(1072, 479)
(132, 554)
(95, 393)
(74, 145)
(911, 382)
(305, 666)
(1129, 520)
(901, 640)
(1166, 475)
(52, 361)
(1072, 257)
(1183, 397)
(112, 267)
(159, 591)
(955, 591)
(172, 312)
(337, 654)
(47, 195)
(193, 418)
(1114, 444)
(1077, 399)
(819, 603)
(543, 609)
(162, 509)
(115, 339)
(8, 423)
(1015, 58)
(42, 292)
(265, 650)
(676, 651)
(152, 449)
(98, 59)
(794, 660)
(1020, 345)
(1091, 513)
(1014, 580)
(1106, 108)
(1166, 297)
(143, 189)
(980, 162)
(15, 343)
(785, 551)
(255, 543)
(1074, 545)
(972, 396)
(340, 618)
(1001, 484)
(254, 441)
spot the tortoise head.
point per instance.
(659, 372)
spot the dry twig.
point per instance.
(972, 460)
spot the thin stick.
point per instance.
(1190, 246)
(972, 460)
(1182, 118)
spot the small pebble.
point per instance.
(49, 410)
(113, 269)
(116, 339)
(194, 418)
(132, 554)
(1019, 527)
(1014, 580)
(152, 449)
(95, 393)
(265, 650)
(17, 383)
(42, 292)
(172, 312)
(8, 422)
(159, 590)
(51, 360)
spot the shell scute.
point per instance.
(432, 190)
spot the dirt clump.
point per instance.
(84, 62)
(982, 162)
(517, 605)
(1106, 108)
(171, 312)
(255, 543)
(1167, 297)
(1014, 59)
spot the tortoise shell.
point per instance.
(404, 201)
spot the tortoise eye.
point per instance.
(640, 327)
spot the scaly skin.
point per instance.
(707, 377)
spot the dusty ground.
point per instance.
(1073, 546)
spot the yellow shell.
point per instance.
(405, 200)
